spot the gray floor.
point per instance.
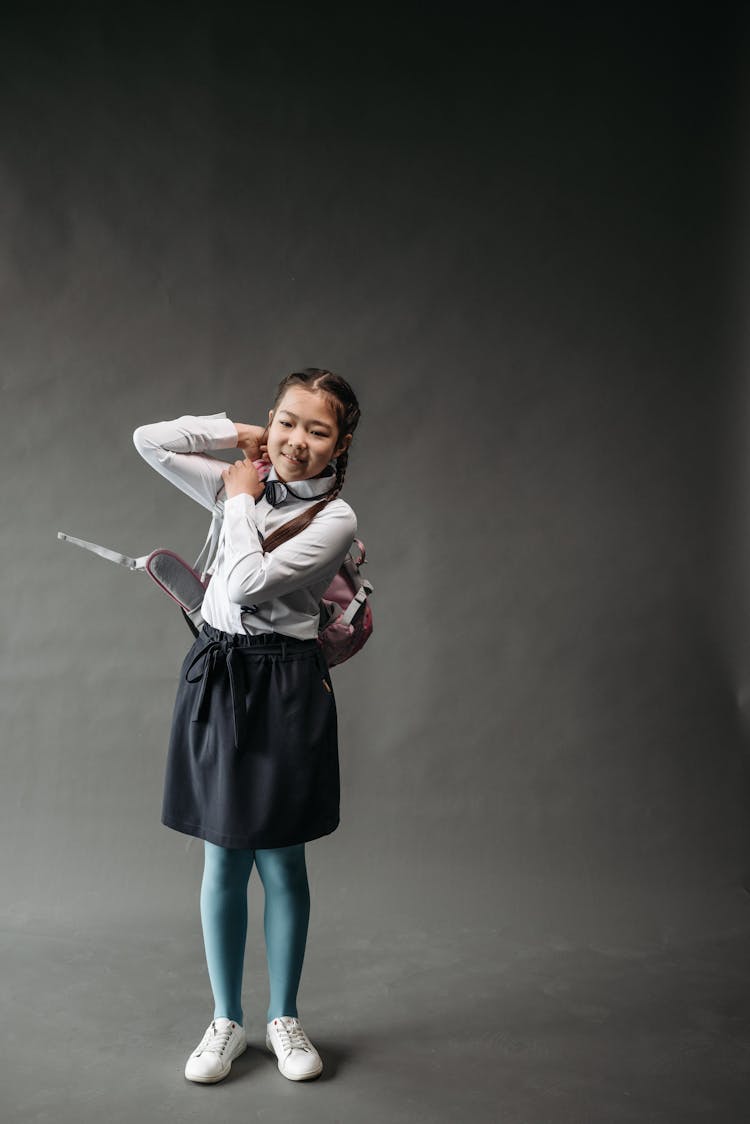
(525, 1023)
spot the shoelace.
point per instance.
(293, 1036)
(216, 1039)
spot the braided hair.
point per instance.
(345, 406)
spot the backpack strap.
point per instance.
(360, 584)
(104, 552)
(208, 551)
(357, 600)
(189, 621)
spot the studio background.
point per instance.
(521, 240)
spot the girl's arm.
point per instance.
(313, 554)
(176, 450)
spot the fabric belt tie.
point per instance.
(234, 663)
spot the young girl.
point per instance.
(252, 765)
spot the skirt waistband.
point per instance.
(222, 649)
(277, 642)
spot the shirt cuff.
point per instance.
(240, 503)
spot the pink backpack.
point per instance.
(345, 615)
(344, 629)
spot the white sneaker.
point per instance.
(298, 1058)
(212, 1058)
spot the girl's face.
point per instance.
(302, 435)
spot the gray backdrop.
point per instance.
(517, 239)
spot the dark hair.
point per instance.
(345, 406)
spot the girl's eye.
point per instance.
(316, 432)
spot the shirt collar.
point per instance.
(315, 486)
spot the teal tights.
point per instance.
(223, 903)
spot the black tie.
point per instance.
(276, 492)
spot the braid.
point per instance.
(347, 410)
(341, 462)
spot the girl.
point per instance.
(252, 764)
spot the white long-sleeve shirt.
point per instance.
(250, 591)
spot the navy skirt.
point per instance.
(253, 749)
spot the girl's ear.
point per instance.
(344, 444)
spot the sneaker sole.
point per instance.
(292, 1076)
(217, 1076)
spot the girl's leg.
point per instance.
(223, 904)
(283, 873)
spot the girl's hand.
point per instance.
(242, 478)
(252, 440)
